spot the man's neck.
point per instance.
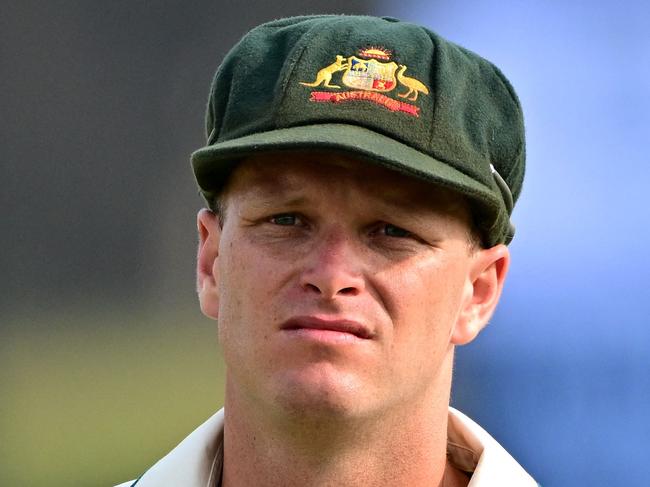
(407, 447)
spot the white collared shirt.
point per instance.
(197, 461)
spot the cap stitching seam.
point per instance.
(306, 39)
(434, 88)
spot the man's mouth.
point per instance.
(342, 326)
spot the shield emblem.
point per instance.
(370, 74)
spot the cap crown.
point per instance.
(393, 78)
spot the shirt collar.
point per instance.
(472, 449)
(197, 461)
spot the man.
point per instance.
(356, 235)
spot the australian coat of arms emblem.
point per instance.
(370, 74)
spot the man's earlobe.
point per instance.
(482, 292)
(207, 282)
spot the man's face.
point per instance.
(339, 286)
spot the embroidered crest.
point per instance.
(370, 73)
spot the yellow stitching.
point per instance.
(325, 75)
(414, 86)
(369, 75)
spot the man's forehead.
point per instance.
(293, 175)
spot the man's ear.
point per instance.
(483, 288)
(207, 279)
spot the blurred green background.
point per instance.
(90, 399)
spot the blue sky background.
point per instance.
(562, 374)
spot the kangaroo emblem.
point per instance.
(413, 85)
(324, 76)
(372, 78)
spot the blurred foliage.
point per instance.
(95, 400)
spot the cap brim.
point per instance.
(213, 164)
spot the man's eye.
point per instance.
(393, 231)
(285, 220)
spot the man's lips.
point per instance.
(336, 325)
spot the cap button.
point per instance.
(391, 19)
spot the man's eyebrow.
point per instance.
(403, 200)
(270, 200)
(268, 194)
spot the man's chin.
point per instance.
(315, 395)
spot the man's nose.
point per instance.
(334, 268)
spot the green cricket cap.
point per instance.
(389, 92)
